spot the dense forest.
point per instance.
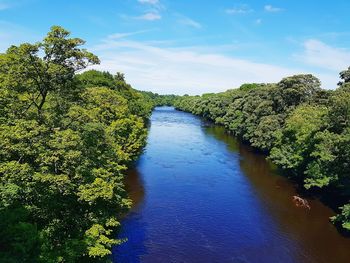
(304, 129)
(67, 136)
(159, 100)
(65, 141)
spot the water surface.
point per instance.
(201, 196)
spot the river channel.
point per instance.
(201, 196)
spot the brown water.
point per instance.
(201, 196)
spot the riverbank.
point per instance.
(303, 129)
(201, 196)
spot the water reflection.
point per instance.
(134, 248)
(201, 196)
(135, 187)
(131, 250)
(316, 237)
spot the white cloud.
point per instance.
(319, 54)
(151, 2)
(156, 4)
(189, 22)
(182, 70)
(151, 16)
(243, 9)
(153, 13)
(128, 34)
(326, 61)
(272, 9)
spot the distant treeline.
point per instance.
(160, 100)
(305, 129)
(65, 141)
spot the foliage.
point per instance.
(138, 102)
(345, 77)
(304, 129)
(343, 219)
(65, 140)
(159, 100)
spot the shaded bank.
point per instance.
(201, 196)
(304, 130)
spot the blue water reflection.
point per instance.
(206, 198)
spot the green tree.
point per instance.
(65, 141)
(345, 77)
(304, 129)
(44, 67)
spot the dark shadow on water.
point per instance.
(200, 195)
(132, 250)
(311, 229)
(134, 185)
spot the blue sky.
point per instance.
(182, 46)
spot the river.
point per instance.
(201, 196)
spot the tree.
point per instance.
(297, 89)
(119, 77)
(293, 142)
(343, 219)
(44, 67)
(345, 76)
(94, 78)
(248, 86)
(65, 141)
(305, 130)
(339, 115)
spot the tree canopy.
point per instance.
(65, 141)
(304, 129)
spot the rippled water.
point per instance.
(201, 196)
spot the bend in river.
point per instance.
(201, 196)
